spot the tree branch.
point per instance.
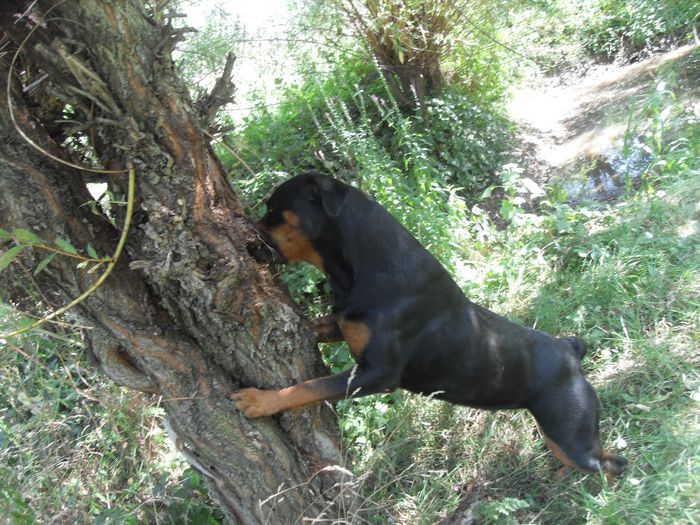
(222, 94)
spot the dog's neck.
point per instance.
(339, 272)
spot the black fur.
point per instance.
(424, 334)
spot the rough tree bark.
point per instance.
(186, 313)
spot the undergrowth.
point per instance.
(75, 448)
(624, 277)
(559, 35)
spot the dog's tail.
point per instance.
(578, 346)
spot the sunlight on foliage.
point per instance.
(622, 274)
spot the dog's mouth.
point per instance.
(275, 255)
(261, 246)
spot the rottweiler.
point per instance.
(409, 325)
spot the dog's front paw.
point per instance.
(254, 402)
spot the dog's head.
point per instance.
(300, 212)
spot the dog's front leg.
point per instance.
(326, 329)
(356, 382)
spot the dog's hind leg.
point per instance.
(568, 417)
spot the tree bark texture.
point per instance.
(186, 313)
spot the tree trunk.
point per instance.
(407, 41)
(186, 312)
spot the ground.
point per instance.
(631, 263)
(571, 128)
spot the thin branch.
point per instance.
(220, 95)
(22, 133)
(103, 277)
(228, 148)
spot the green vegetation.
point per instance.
(623, 275)
(76, 448)
(563, 34)
(635, 24)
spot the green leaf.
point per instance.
(91, 252)
(487, 192)
(44, 263)
(10, 255)
(66, 246)
(532, 187)
(508, 210)
(4, 234)
(26, 237)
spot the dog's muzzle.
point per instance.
(260, 245)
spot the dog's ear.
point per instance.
(332, 194)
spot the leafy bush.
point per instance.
(284, 137)
(467, 141)
(632, 25)
(559, 35)
(547, 34)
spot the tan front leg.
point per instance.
(255, 402)
(356, 382)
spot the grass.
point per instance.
(75, 448)
(624, 276)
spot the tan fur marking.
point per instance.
(611, 473)
(356, 334)
(291, 218)
(559, 453)
(293, 244)
(255, 402)
(561, 456)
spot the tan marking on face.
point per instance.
(291, 218)
(292, 242)
(356, 334)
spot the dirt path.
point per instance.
(566, 125)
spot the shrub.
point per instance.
(636, 24)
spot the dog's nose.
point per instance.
(260, 244)
(274, 255)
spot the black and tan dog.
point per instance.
(410, 326)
